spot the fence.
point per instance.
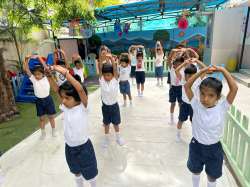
(234, 141)
(16, 83)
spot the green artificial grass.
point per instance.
(13, 132)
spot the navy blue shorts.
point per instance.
(169, 78)
(111, 114)
(124, 87)
(209, 155)
(133, 71)
(185, 111)
(175, 92)
(159, 72)
(140, 77)
(45, 106)
(81, 159)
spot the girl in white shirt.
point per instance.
(78, 66)
(125, 69)
(158, 63)
(79, 151)
(208, 122)
(133, 62)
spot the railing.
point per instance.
(16, 83)
(150, 66)
(236, 145)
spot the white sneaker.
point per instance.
(42, 137)
(171, 122)
(123, 105)
(141, 95)
(130, 106)
(161, 85)
(54, 133)
(177, 139)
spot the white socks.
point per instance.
(42, 135)
(105, 144)
(124, 104)
(171, 121)
(196, 180)
(93, 182)
(141, 94)
(161, 83)
(130, 105)
(79, 181)
(138, 92)
(119, 139)
(1, 176)
(178, 136)
(211, 184)
(158, 83)
(133, 82)
(54, 133)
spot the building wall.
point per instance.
(10, 49)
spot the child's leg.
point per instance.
(211, 182)
(93, 182)
(158, 81)
(52, 123)
(178, 136)
(105, 144)
(138, 89)
(130, 100)
(196, 179)
(79, 180)
(125, 102)
(119, 140)
(142, 89)
(171, 121)
(42, 125)
(162, 81)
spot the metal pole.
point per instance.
(244, 39)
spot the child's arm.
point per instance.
(202, 66)
(177, 70)
(114, 66)
(40, 59)
(54, 56)
(77, 56)
(73, 61)
(156, 45)
(169, 59)
(26, 64)
(101, 65)
(191, 81)
(231, 83)
(75, 83)
(65, 59)
(196, 55)
(100, 57)
(130, 49)
(161, 48)
(144, 52)
(129, 58)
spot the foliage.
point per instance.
(97, 39)
(161, 35)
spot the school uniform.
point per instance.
(44, 102)
(60, 78)
(158, 66)
(205, 147)
(110, 107)
(133, 65)
(124, 77)
(186, 108)
(140, 69)
(175, 92)
(80, 73)
(79, 151)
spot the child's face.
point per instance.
(159, 52)
(124, 64)
(68, 101)
(62, 66)
(78, 66)
(139, 59)
(38, 75)
(176, 64)
(133, 52)
(107, 76)
(188, 76)
(208, 97)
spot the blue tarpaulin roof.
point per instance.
(149, 7)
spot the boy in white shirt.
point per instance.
(60, 62)
(110, 108)
(78, 66)
(125, 69)
(133, 62)
(158, 63)
(44, 102)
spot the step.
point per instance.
(241, 78)
(29, 89)
(245, 72)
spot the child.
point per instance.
(208, 122)
(79, 151)
(158, 63)
(78, 66)
(140, 69)
(110, 108)
(44, 103)
(186, 109)
(125, 68)
(60, 62)
(133, 63)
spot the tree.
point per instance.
(161, 35)
(97, 39)
(8, 108)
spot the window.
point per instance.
(209, 30)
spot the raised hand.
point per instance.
(108, 55)
(60, 69)
(34, 56)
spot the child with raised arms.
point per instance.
(79, 151)
(125, 69)
(158, 63)
(110, 108)
(208, 122)
(60, 62)
(133, 62)
(186, 109)
(44, 102)
(78, 66)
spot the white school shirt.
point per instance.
(60, 78)
(195, 88)
(132, 58)
(41, 87)
(175, 81)
(124, 73)
(158, 60)
(76, 124)
(142, 63)
(109, 91)
(208, 123)
(80, 73)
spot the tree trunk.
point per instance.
(161, 43)
(8, 108)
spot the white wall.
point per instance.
(226, 33)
